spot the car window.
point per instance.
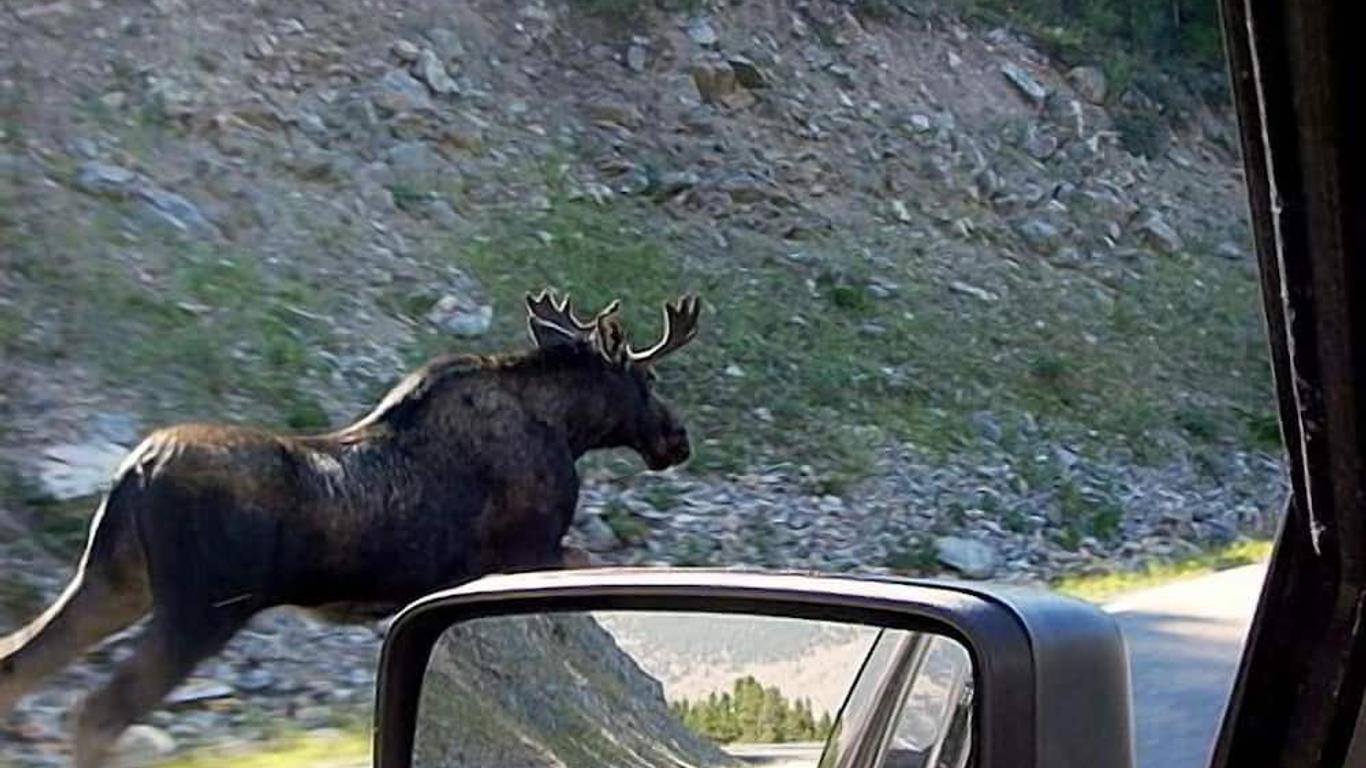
(933, 695)
(974, 298)
(877, 676)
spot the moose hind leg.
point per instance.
(109, 593)
(163, 656)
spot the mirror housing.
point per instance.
(1052, 687)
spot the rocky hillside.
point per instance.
(547, 691)
(967, 307)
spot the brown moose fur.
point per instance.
(465, 468)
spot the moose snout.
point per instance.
(680, 448)
(671, 449)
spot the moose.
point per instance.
(465, 468)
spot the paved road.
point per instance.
(1185, 641)
(803, 755)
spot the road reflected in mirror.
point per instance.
(632, 688)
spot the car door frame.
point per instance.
(1299, 688)
(865, 745)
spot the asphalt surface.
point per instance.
(1185, 642)
(804, 755)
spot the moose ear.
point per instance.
(610, 338)
(547, 335)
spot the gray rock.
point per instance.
(261, 46)
(702, 32)
(919, 123)
(673, 182)
(634, 181)
(77, 470)
(461, 315)
(255, 679)
(700, 120)
(431, 71)
(988, 425)
(312, 717)
(97, 178)
(443, 213)
(598, 534)
(745, 187)
(398, 92)
(637, 57)
(968, 289)
(1105, 202)
(973, 559)
(447, 43)
(715, 80)
(1158, 234)
(406, 51)
(312, 126)
(177, 211)
(199, 690)
(16, 165)
(999, 36)
(412, 160)
(1039, 234)
(1040, 144)
(1089, 83)
(614, 111)
(1231, 251)
(747, 73)
(117, 428)
(986, 183)
(1025, 82)
(313, 164)
(142, 745)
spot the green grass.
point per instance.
(212, 324)
(1107, 360)
(344, 749)
(19, 600)
(1102, 587)
(622, 12)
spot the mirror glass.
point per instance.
(633, 688)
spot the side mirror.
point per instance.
(697, 667)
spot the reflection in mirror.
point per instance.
(632, 688)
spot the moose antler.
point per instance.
(561, 313)
(680, 327)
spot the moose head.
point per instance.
(636, 417)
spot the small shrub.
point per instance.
(618, 11)
(304, 413)
(843, 293)
(1087, 513)
(1142, 133)
(19, 599)
(1050, 370)
(662, 497)
(918, 557)
(1264, 429)
(627, 527)
(875, 10)
(1199, 423)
